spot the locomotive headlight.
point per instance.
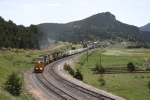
(41, 68)
(36, 68)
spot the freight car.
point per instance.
(54, 56)
(50, 57)
(60, 54)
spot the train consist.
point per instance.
(42, 60)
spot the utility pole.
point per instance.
(87, 54)
(100, 61)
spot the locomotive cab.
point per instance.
(39, 64)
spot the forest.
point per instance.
(19, 36)
(99, 27)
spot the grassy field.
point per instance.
(131, 86)
(10, 62)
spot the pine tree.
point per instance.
(130, 67)
(13, 84)
(78, 75)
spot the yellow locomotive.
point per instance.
(60, 55)
(39, 64)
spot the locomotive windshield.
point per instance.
(39, 59)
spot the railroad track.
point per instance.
(69, 90)
(85, 92)
(52, 88)
(65, 89)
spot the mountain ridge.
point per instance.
(145, 27)
(100, 26)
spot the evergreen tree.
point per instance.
(12, 35)
(69, 69)
(130, 67)
(13, 84)
(78, 75)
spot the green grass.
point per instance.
(131, 86)
(13, 62)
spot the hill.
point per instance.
(13, 36)
(100, 26)
(145, 27)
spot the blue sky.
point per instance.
(26, 12)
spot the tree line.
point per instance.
(19, 36)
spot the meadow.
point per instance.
(13, 62)
(19, 62)
(131, 86)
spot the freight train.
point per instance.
(42, 60)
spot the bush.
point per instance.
(147, 69)
(149, 84)
(3, 48)
(102, 82)
(66, 67)
(69, 69)
(99, 68)
(71, 72)
(130, 67)
(28, 55)
(13, 84)
(78, 75)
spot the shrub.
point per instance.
(78, 75)
(149, 84)
(147, 69)
(13, 84)
(102, 81)
(28, 55)
(69, 69)
(71, 72)
(130, 67)
(142, 76)
(3, 48)
(99, 68)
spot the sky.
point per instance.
(27, 12)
